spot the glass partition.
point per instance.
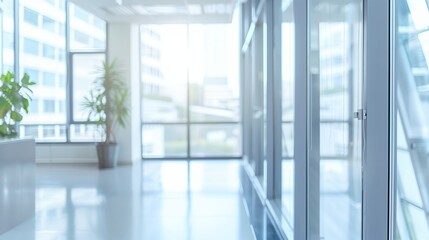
(288, 95)
(411, 122)
(335, 122)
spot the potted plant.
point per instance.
(15, 98)
(107, 106)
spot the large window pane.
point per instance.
(84, 74)
(164, 140)
(87, 31)
(42, 55)
(187, 79)
(164, 73)
(213, 73)
(288, 93)
(7, 35)
(336, 70)
(215, 140)
(39, 53)
(411, 103)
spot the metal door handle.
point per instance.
(360, 114)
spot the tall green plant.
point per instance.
(106, 103)
(15, 97)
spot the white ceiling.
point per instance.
(161, 11)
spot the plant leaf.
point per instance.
(3, 130)
(25, 104)
(15, 116)
(5, 106)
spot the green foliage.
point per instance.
(15, 97)
(107, 101)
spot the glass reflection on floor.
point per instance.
(153, 200)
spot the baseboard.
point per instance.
(66, 160)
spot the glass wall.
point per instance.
(341, 155)
(410, 120)
(246, 82)
(8, 58)
(42, 55)
(164, 90)
(258, 86)
(214, 109)
(288, 107)
(190, 91)
(335, 140)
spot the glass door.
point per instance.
(335, 119)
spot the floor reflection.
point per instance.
(154, 200)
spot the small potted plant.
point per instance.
(107, 106)
(15, 98)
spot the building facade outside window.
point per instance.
(43, 55)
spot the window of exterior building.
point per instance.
(49, 106)
(31, 46)
(81, 14)
(34, 106)
(48, 79)
(81, 37)
(48, 51)
(48, 24)
(8, 40)
(31, 17)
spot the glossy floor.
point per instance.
(154, 200)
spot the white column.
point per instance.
(123, 45)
